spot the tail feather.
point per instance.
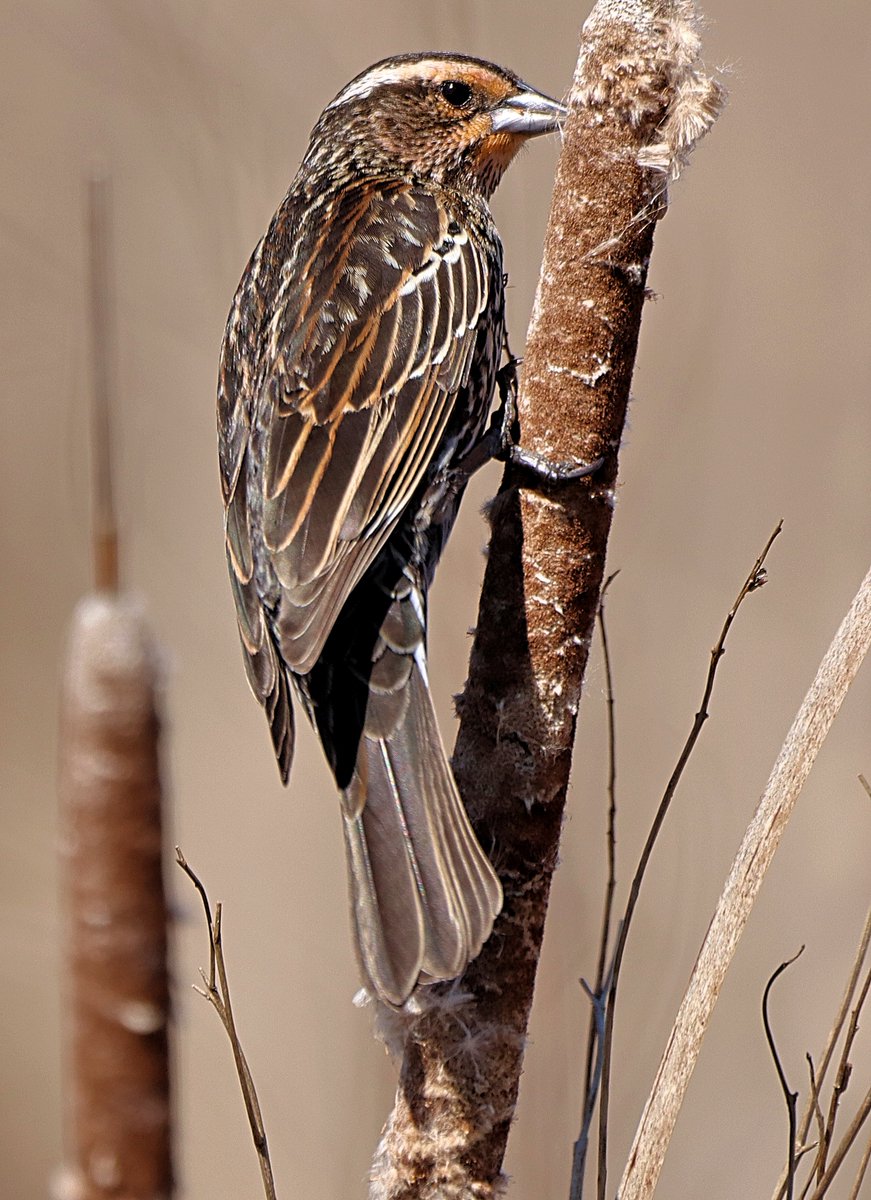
(424, 895)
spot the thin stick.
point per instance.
(824, 698)
(217, 992)
(842, 1078)
(790, 1096)
(104, 524)
(597, 996)
(753, 582)
(821, 1128)
(598, 1003)
(611, 834)
(846, 1142)
(840, 1019)
(860, 1174)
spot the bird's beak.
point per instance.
(528, 114)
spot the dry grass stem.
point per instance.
(789, 1095)
(603, 999)
(813, 1110)
(217, 992)
(842, 1079)
(843, 1147)
(860, 1174)
(598, 996)
(824, 698)
(755, 579)
(638, 103)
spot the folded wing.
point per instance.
(352, 335)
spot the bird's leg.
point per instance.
(500, 441)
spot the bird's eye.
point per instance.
(456, 93)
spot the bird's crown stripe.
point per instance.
(426, 70)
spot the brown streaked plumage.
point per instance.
(357, 374)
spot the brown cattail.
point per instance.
(117, 1002)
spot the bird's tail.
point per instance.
(423, 893)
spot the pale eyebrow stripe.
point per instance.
(423, 71)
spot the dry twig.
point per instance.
(598, 996)
(824, 698)
(843, 1147)
(860, 1174)
(812, 1109)
(789, 1095)
(217, 992)
(603, 999)
(752, 583)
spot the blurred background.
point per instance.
(751, 403)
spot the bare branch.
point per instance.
(846, 1142)
(217, 992)
(755, 579)
(842, 1077)
(836, 672)
(821, 1130)
(812, 1108)
(611, 834)
(860, 1174)
(598, 996)
(599, 1004)
(790, 1096)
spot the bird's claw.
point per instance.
(547, 471)
(504, 431)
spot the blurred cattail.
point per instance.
(116, 987)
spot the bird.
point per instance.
(357, 376)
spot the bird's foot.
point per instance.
(501, 441)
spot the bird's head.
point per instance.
(442, 117)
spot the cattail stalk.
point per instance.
(638, 103)
(116, 990)
(117, 995)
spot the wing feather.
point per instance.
(370, 315)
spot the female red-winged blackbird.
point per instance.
(357, 374)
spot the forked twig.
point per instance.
(812, 1108)
(217, 992)
(806, 735)
(820, 1122)
(846, 1142)
(598, 1005)
(754, 580)
(790, 1096)
(842, 1078)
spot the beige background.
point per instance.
(751, 402)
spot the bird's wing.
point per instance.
(363, 344)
